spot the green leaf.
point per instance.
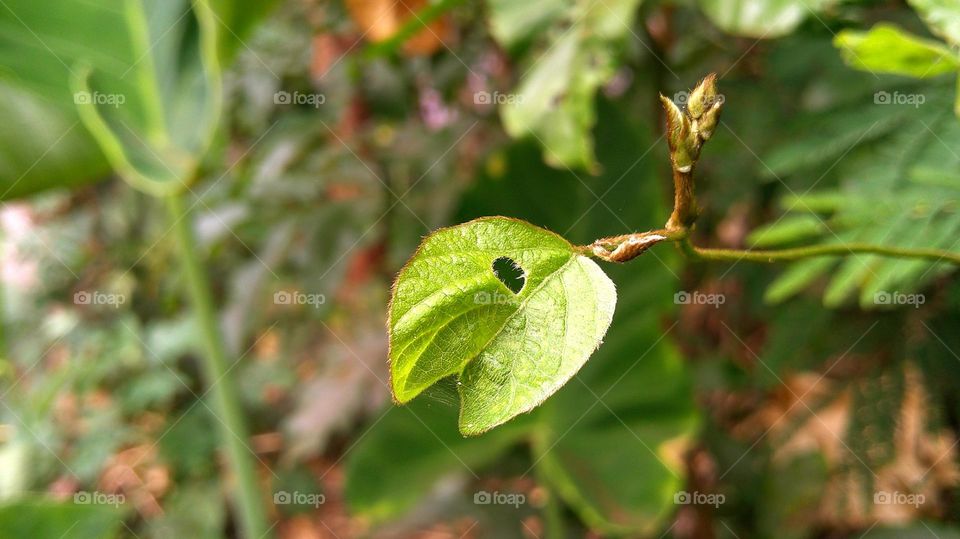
(941, 16)
(44, 518)
(786, 230)
(554, 100)
(896, 190)
(647, 423)
(143, 77)
(759, 18)
(513, 23)
(450, 314)
(888, 49)
(923, 530)
(58, 153)
(634, 397)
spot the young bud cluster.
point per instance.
(688, 129)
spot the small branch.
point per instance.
(687, 130)
(248, 503)
(839, 249)
(685, 209)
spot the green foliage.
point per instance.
(422, 437)
(760, 18)
(332, 200)
(888, 49)
(144, 79)
(59, 153)
(896, 187)
(554, 101)
(44, 518)
(628, 487)
(450, 314)
(941, 16)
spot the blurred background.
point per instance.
(204, 205)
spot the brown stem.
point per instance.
(684, 204)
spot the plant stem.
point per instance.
(821, 250)
(553, 517)
(684, 204)
(248, 504)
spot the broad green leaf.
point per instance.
(634, 397)
(513, 23)
(423, 437)
(58, 152)
(922, 530)
(45, 518)
(942, 16)
(554, 100)
(235, 20)
(760, 18)
(634, 415)
(888, 49)
(133, 72)
(143, 76)
(450, 314)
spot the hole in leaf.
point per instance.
(509, 273)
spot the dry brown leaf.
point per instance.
(379, 20)
(923, 465)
